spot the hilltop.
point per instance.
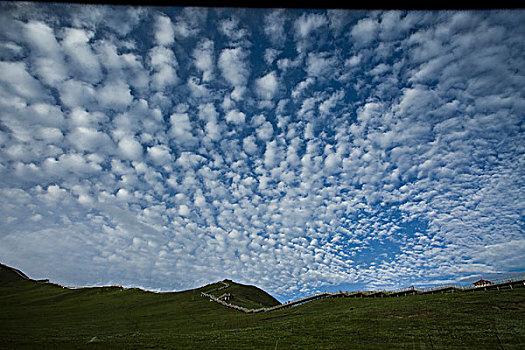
(247, 296)
(43, 315)
(9, 274)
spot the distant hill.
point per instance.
(39, 315)
(243, 295)
(8, 274)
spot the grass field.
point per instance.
(46, 316)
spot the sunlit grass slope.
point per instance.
(45, 316)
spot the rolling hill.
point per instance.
(39, 315)
(243, 295)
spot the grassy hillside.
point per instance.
(9, 274)
(45, 316)
(247, 296)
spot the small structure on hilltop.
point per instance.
(226, 297)
(482, 283)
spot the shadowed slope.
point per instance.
(246, 296)
(8, 274)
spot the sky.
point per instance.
(296, 150)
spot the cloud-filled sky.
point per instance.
(297, 150)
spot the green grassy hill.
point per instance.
(45, 316)
(10, 274)
(247, 296)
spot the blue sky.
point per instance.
(297, 150)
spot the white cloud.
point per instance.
(113, 62)
(234, 67)
(46, 114)
(84, 62)
(10, 51)
(17, 80)
(235, 117)
(197, 90)
(183, 29)
(165, 66)
(204, 60)
(270, 55)
(365, 31)
(123, 195)
(232, 29)
(249, 145)
(272, 154)
(181, 127)
(353, 61)
(160, 154)
(54, 193)
(88, 139)
(209, 114)
(69, 163)
(184, 210)
(75, 93)
(46, 52)
(51, 71)
(115, 95)
(265, 131)
(393, 27)
(130, 148)
(164, 32)
(301, 86)
(286, 63)
(332, 163)
(331, 102)
(238, 93)
(308, 23)
(267, 86)
(41, 38)
(321, 65)
(51, 135)
(80, 117)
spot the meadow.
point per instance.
(37, 315)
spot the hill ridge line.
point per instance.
(445, 288)
(511, 282)
(18, 272)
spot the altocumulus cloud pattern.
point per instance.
(298, 150)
